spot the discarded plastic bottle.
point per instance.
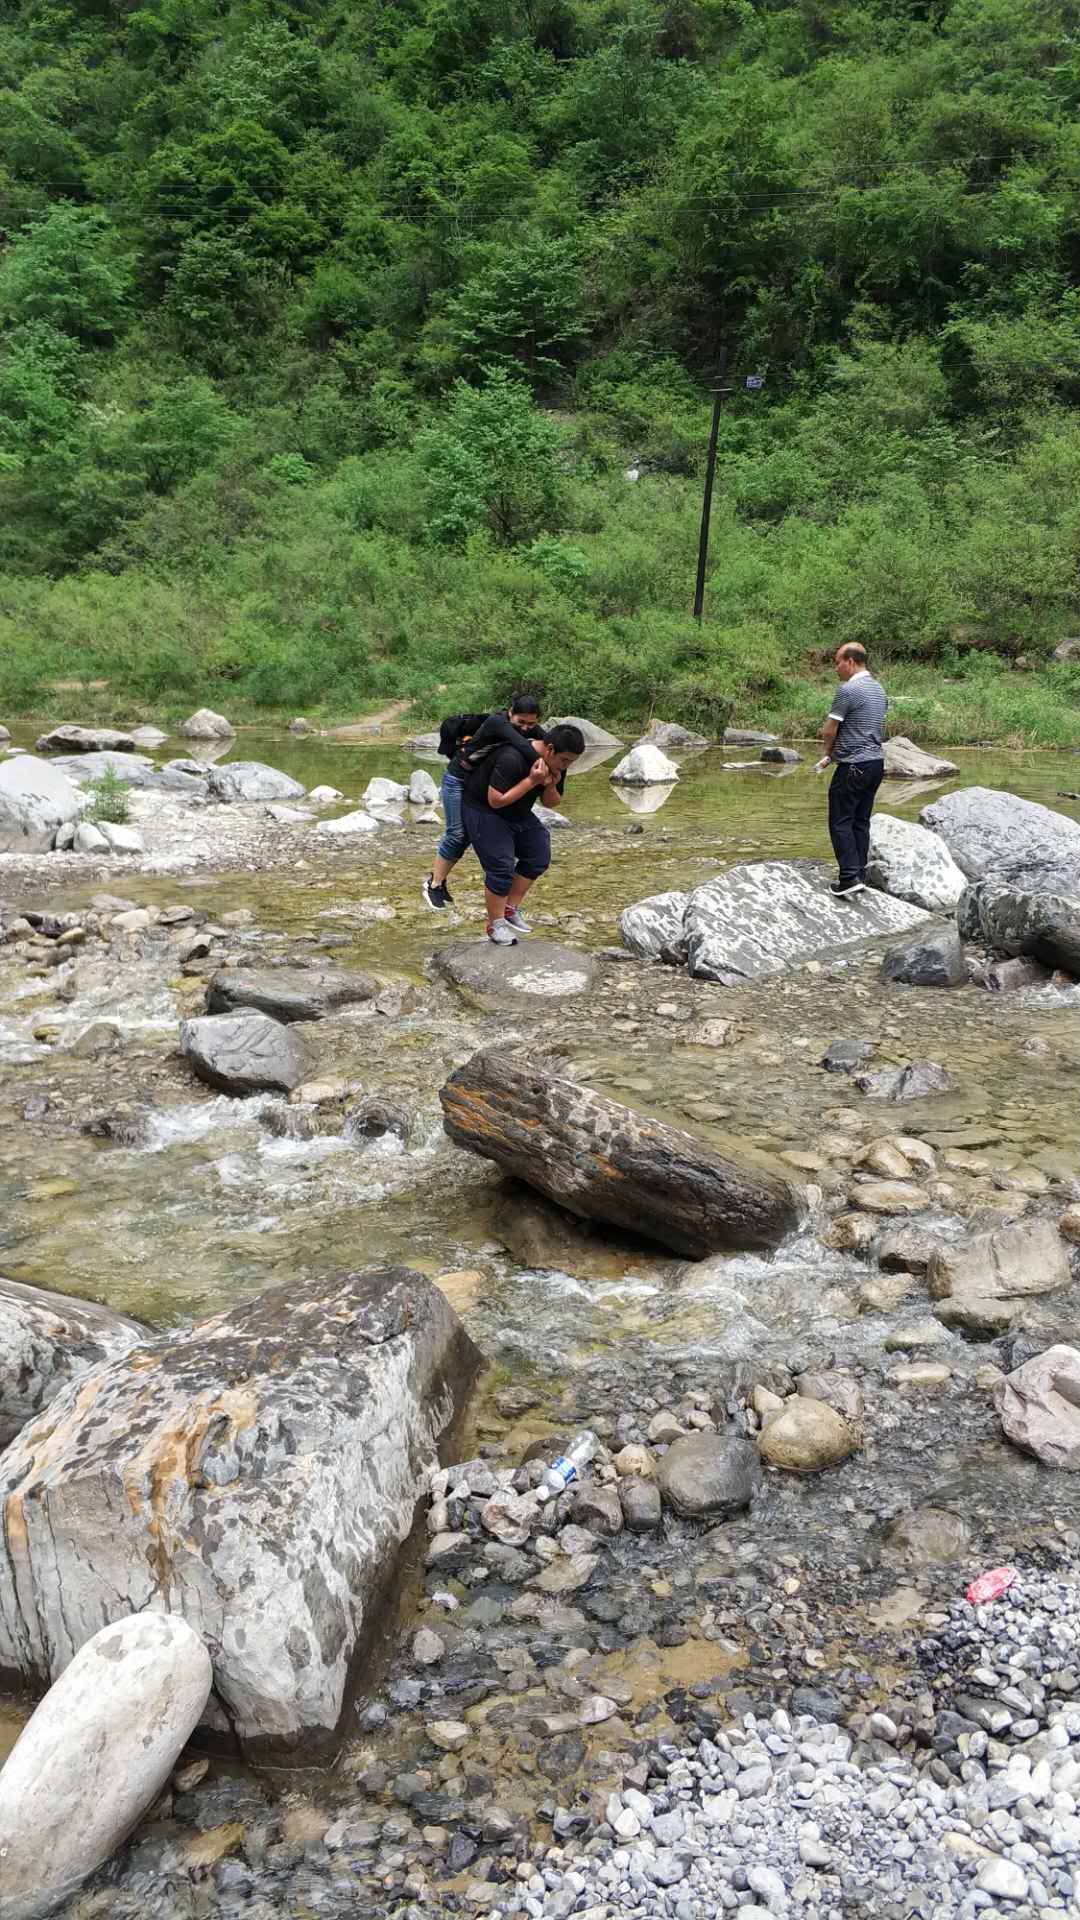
(990, 1586)
(567, 1467)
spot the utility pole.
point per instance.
(753, 382)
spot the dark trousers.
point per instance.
(507, 847)
(852, 792)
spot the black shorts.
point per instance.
(507, 847)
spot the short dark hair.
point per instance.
(853, 651)
(525, 703)
(566, 740)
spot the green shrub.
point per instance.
(108, 795)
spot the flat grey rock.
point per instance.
(251, 780)
(671, 738)
(913, 864)
(288, 993)
(74, 739)
(243, 1053)
(36, 799)
(133, 768)
(48, 1339)
(258, 1474)
(759, 919)
(96, 1754)
(747, 737)
(987, 831)
(534, 969)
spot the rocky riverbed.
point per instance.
(746, 1689)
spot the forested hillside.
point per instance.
(330, 332)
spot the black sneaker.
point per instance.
(841, 888)
(437, 898)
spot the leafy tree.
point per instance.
(524, 311)
(494, 463)
(68, 270)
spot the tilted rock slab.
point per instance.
(602, 1161)
(535, 970)
(95, 1756)
(905, 761)
(256, 1476)
(913, 864)
(1015, 917)
(987, 831)
(288, 993)
(48, 1339)
(758, 919)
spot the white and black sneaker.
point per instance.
(437, 898)
(500, 934)
(841, 888)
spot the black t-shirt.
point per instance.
(509, 766)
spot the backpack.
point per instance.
(456, 728)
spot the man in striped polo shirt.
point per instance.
(852, 740)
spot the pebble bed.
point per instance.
(970, 1807)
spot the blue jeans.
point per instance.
(455, 839)
(507, 847)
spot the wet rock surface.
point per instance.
(244, 1053)
(541, 970)
(288, 993)
(48, 1339)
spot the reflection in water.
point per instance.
(902, 793)
(644, 799)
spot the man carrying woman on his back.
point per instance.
(459, 733)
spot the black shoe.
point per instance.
(841, 888)
(435, 897)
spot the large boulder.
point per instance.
(594, 736)
(987, 831)
(288, 993)
(245, 1053)
(604, 1162)
(1015, 918)
(644, 766)
(422, 791)
(384, 793)
(913, 864)
(747, 737)
(206, 725)
(934, 960)
(983, 1282)
(36, 800)
(905, 761)
(257, 1475)
(251, 780)
(709, 1475)
(541, 970)
(73, 739)
(95, 1756)
(758, 919)
(654, 926)
(47, 1339)
(1039, 1405)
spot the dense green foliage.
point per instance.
(328, 334)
